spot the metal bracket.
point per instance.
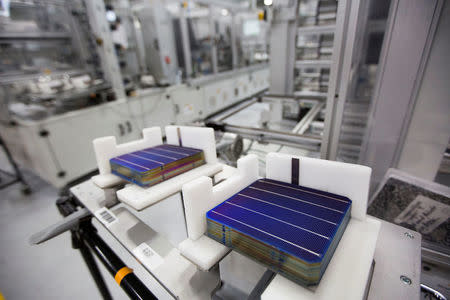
(68, 223)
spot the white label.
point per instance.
(424, 214)
(106, 216)
(188, 109)
(147, 256)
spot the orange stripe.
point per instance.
(122, 273)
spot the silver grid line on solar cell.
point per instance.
(303, 190)
(297, 199)
(132, 163)
(145, 158)
(157, 154)
(177, 147)
(170, 151)
(281, 206)
(272, 235)
(276, 219)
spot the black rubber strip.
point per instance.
(179, 137)
(295, 163)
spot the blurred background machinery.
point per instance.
(74, 70)
(340, 80)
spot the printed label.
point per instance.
(147, 256)
(188, 109)
(424, 214)
(106, 216)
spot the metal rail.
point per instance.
(319, 29)
(436, 294)
(304, 123)
(271, 136)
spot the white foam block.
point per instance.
(203, 252)
(199, 197)
(139, 198)
(344, 179)
(194, 137)
(107, 180)
(226, 172)
(347, 273)
(106, 148)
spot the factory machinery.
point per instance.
(75, 70)
(328, 80)
(160, 229)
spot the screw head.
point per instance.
(406, 280)
(409, 235)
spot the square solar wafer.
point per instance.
(153, 165)
(291, 229)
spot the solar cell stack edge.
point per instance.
(291, 229)
(153, 165)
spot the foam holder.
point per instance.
(139, 197)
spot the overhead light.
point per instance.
(224, 12)
(111, 16)
(268, 2)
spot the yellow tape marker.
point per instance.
(1, 296)
(261, 15)
(121, 274)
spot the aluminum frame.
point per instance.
(100, 27)
(347, 13)
(387, 124)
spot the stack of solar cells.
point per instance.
(152, 165)
(291, 229)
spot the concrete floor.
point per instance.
(52, 270)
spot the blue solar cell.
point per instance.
(155, 157)
(297, 220)
(152, 165)
(185, 150)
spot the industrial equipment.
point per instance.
(93, 68)
(157, 31)
(118, 69)
(181, 262)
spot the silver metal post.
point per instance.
(213, 34)
(100, 27)
(186, 44)
(282, 48)
(332, 97)
(234, 52)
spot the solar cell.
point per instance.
(152, 165)
(294, 230)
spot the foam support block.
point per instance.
(106, 148)
(150, 166)
(348, 271)
(199, 197)
(141, 197)
(195, 137)
(349, 180)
